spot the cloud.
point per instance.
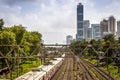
(95, 10)
(15, 2)
(55, 19)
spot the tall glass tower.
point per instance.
(80, 34)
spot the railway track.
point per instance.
(102, 75)
(90, 72)
(66, 70)
(83, 70)
(86, 73)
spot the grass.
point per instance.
(27, 66)
(93, 61)
(113, 70)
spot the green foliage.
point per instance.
(93, 41)
(109, 38)
(27, 39)
(19, 31)
(1, 24)
(6, 38)
(32, 38)
(78, 46)
(108, 45)
(21, 36)
(27, 66)
(119, 40)
(74, 46)
(36, 37)
(17, 35)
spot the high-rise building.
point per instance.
(86, 25)
(96, 31)
(118, 29)
(103, 27)
(89, 33)
(111, 25)
(69, 39)
(80, 34)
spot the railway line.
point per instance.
(102, 75)
(91, 72)
(86, 74)
(66, 70)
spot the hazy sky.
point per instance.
(55, 19)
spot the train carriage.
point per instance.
(44, 72)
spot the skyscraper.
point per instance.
(104, 27)
(86, 25)
(89, 33)
(111, 25)
(118, 29)
(96, 31)
(80, 29)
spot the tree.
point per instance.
(109, 38)
(19, 31)
(78, 46)
(16, 35)
(37, 37)
(119, 40)
(1, 24)
(6, 38)
(31, 38)
(109, 46)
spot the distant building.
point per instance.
(111, 25)
(86, 25)
(104, 27)
(80, 34)
(69, 39)
(118, 29)
(89, 33)
(96, 31)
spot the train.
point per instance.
(43, 72)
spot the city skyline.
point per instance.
(55, 16)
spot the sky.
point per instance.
(55, 19)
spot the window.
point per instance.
(80, 25)
(80, 17)
(80, 32)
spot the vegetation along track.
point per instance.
(66, 70)
(94, 71)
